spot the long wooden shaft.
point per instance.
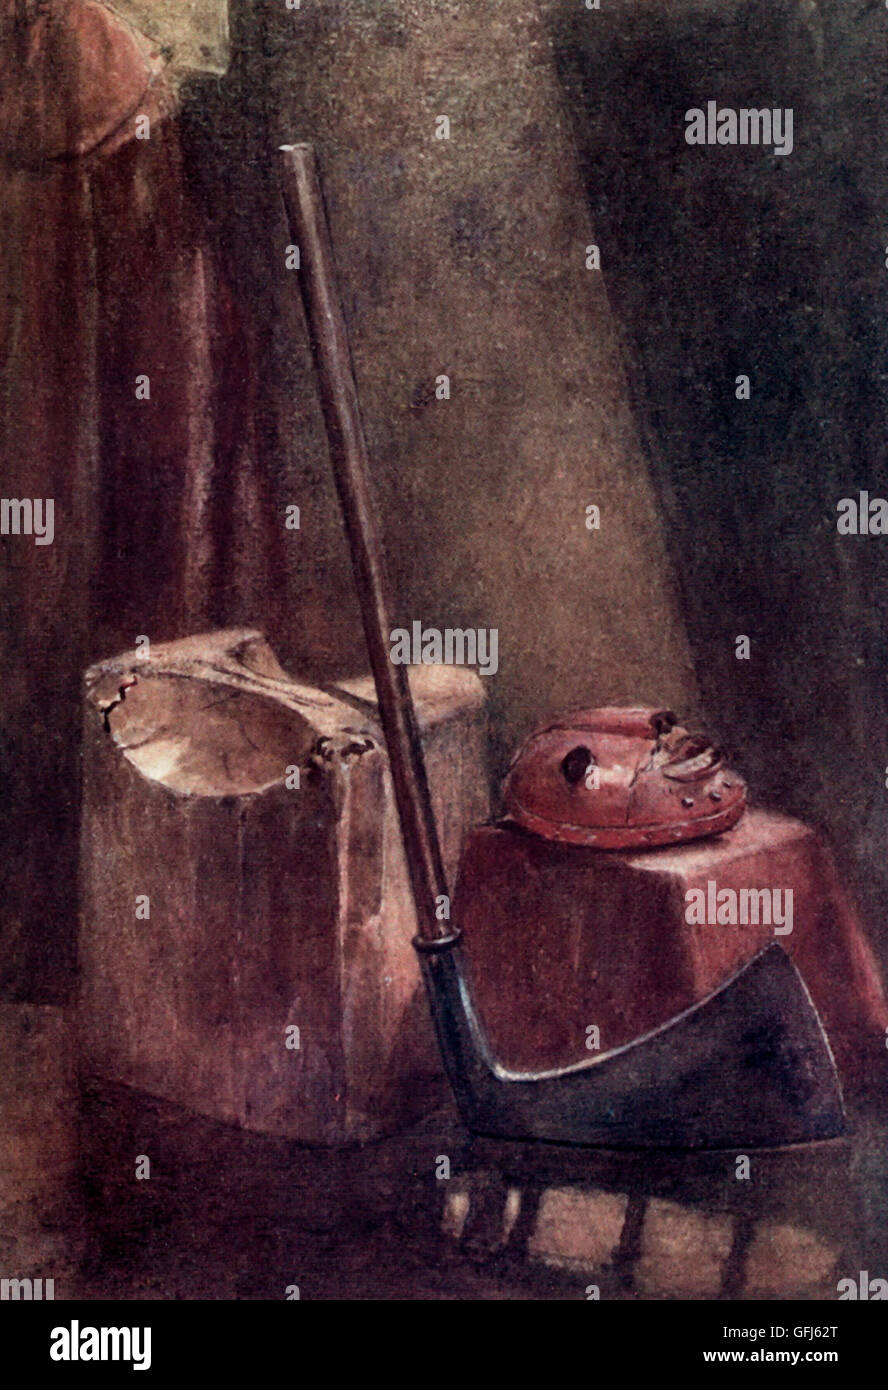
(348, 454)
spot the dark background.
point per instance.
(730, 260)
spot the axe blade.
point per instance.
(749, 1066)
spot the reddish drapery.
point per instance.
(107, 274)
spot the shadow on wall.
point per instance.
(463, 257)
(721, 261)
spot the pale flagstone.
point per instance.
(512, 1211)
(783, 1257)
(457, 1202)
(577, 1227)
(683, 1251)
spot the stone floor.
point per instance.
(231, 1215)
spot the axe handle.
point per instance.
(309, 230)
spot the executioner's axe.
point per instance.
(747, 1066)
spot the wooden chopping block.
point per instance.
(245, 943)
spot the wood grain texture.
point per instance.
(269, 906)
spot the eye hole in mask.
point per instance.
(575, 764)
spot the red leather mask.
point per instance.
(622, 778)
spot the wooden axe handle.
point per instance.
(348, 454)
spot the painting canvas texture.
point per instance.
(521, 936)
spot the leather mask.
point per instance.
(622, 778)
